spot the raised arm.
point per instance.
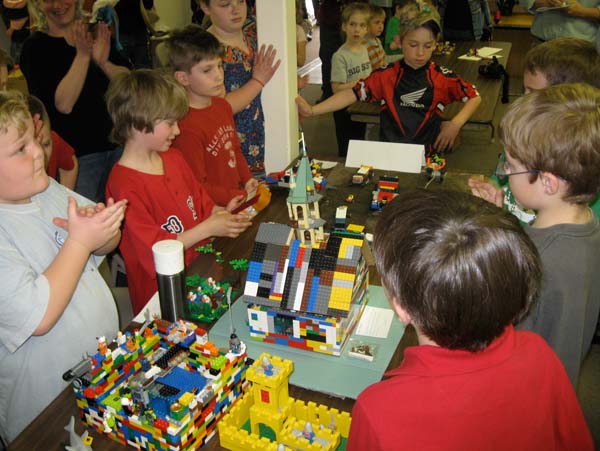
(262, 72)
(339, 100)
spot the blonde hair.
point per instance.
(39, 21)
(557, 130)
(375, 11)
(353, 8)
(140, 98)
(13, 112)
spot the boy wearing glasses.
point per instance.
(552, 144)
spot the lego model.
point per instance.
(444, 48)
(435, 167)
(206, 300)
(267, 419)
(386, 190)
(77, 443)
(341, 213)
(362, 175)
(162, 388)
(308, 296)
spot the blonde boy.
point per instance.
(53, 302)
(166, 200)
(552, 144)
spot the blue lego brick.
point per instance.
(294, 252)
(312, 297)
(253, 274)
(281, 341)
(185, 381)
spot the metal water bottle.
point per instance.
(170, 274)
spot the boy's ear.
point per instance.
(550, 183)
(403, 315)
(182, 77)
(203, 7)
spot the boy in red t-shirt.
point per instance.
(61, 162)
(208, 140)
(166, 200)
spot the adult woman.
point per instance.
(69, 68)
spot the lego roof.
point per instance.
(288, 275)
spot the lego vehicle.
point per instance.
(363, 175)
(435, 167)
(386, 190)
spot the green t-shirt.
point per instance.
(391, 31)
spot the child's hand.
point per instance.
(101, 46)
(448, 133)
(91, 228)
(264, 68)
(486, 191)
(251, 185)
(235, 202)
(223, 223)
(302, 82)
(304, 108)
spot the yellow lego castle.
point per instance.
(296, 425)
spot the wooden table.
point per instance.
(489, 89)
(47, 433)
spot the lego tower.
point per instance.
(303, 202)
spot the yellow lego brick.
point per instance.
(185, 399)
(355, 228)
(343, 276)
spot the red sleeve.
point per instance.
(372, 88)
(457, 89)
(64, 152)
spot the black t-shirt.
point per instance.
(458, 15)
(45, 60)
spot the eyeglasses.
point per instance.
(503, 171)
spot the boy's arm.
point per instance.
(339, 100)
(450, 129)
(262, 72)
(86, 234)
(68, 177)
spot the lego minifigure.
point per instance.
(266, 366)
(308, 433)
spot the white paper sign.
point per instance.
(387, 156)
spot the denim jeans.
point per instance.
(93, 173)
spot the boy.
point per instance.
(393, 28)
(54, 303)
(473, 382)
(374, 47)
(208, 140)
(61, 162)
(552, 145)
(562, 60)
(348, 65)
(166, 200)
(414, 89)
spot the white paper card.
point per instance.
(375, 322)
(388, 156)
(153, 305)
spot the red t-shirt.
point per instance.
(159, 207)
(61, 157)
(210, 145)
(514, 395)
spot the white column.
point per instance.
(276, 25)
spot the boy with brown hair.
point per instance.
(208, 139)
(375, 50)
(552, 145)
(166, 200)
(473, 382)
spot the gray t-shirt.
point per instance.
(566, 312)
(31, 367)
(347, 66)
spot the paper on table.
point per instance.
(543, 9)
(375, 322)
(483, 52)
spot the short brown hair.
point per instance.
(565, 60)
(375, 11)
(353, 8)
(140, 98)
(190, 45)
(557, 130)
(13, 112)
(461, 267)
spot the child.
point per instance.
(246, 73)
(208, 140)
(561, 60)
(473, 382)
(374, 48)
(391, 44)
(349, 64)
(61, 162)
(54, 302)
(414, 89)
(166, 200)
(552, 145)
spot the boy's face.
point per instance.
(226, 15)
(418, 46)
(355, 28)
(22, 172)
(376, 25)
(160, 140)
(524, 191)
(534, 81)
(205, 79)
